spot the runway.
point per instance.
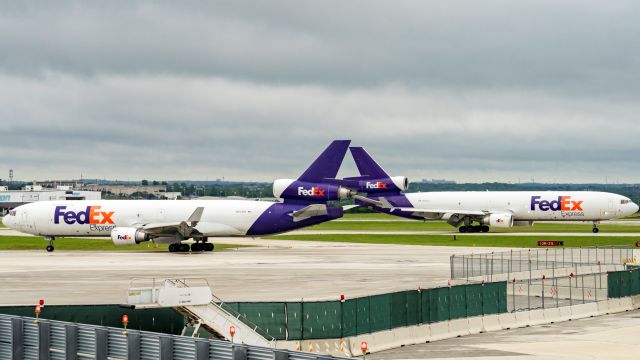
(275, 270)
(10, 232)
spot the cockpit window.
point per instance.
(624, 201)
(12, 213)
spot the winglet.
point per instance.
(195, 217)
(326, 166)
(366, 165)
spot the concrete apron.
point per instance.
(418, 334)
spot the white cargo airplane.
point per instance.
(129, 222)
(475, 211)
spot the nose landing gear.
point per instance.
(50, 239)
(595, 228)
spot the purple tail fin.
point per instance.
(326, 166)
(367, 167)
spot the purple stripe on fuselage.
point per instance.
(277, 219)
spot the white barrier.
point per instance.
(389, 339)
(507, 321)
(490, 323)
(475, 325)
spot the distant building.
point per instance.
(13, 198)
(438, 181)
(159, 191)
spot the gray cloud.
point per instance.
(250, 90)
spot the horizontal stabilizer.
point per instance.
(309, 212)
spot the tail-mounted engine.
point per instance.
(395, 183)
(300, 190)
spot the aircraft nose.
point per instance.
(635, 208)
(5, 221)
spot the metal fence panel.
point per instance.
(149, 348)
(413, 307)
(5, 339)
(220, 350)
(57, 342)
(490, 298)
(30, 340)
(184, 348)
(635, 282)
(349, 318)
(117, 344)
(321, 320)
(362, 315)
(294, 320)
(613, 283)
(473, 299)
(439, 304)
(269, 316)
(457, 302)
(398, 308)
(425, 306)
(380, 312)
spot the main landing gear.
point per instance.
(50, 240)
(198, 246)
(473, 228)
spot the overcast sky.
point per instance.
(254, 90)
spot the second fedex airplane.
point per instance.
(129, 222)
(475, 211)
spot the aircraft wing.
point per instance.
(438, 213)
(184, 228)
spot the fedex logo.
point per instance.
(562, 203)
(314, 191)
(124, 237)
(92, 215)
(376, 185)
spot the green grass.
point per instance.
(38, 243)
(443, 226)
(466, 240)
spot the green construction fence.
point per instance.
(623, 283)
(336, 319)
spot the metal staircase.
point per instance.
(201, 307)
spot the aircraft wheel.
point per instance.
(174, 247)
(208, 247)
(485, 228)
(184, 248)
(49, 248)
(196, 247)
(596, 230)
(462, 229)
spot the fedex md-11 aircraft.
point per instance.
(475, 211)
(130, 222)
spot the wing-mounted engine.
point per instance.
(503, 220)
(128, 236)
(309, 191)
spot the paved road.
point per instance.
(606, 337)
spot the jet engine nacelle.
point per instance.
(394, 183)
(301, 190)
(128, 236)
(499, 220)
